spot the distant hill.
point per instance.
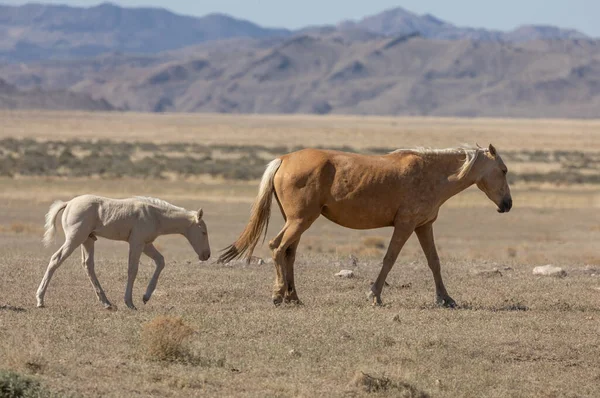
(392, 63)
(399, 21)
(329, 72)
(35, 32)
(12, 98)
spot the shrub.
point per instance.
(371, 384)
(15, 385)
(165, 338)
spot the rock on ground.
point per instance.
(345, 273)
(549, 270)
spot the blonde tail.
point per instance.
(259, 218)
(50, 227)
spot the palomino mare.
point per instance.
(403, 189)
(138, 220)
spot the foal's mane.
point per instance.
(159, 202)
(471, 154)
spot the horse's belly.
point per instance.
(358, 218)
(113, 232)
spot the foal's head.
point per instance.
(492, 180)
(197, 235)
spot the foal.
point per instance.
(138, 221)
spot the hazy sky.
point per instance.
(504, 15)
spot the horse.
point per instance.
(403, 189)
(138, 221)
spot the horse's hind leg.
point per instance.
(290, 294)
(159, 261)
(55, 261)
(87, 258)
(279, 285)
(284, 249)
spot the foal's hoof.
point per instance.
(446, 302)
(41, 305)
(145, 299)
(131, 307)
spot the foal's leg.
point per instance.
(399, 238)
(425, 235)
(135, 252)
(87, 257)
(55, 261)
(159, 261)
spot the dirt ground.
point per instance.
(514, 334)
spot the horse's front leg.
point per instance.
(399, 237)
(87, 258)
(159, 261)
(425, 235)
(135, 252)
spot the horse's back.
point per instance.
(353, 190)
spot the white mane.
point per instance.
(471, 155)
(159, 202)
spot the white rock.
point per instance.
(549, 270)
(345, 273)
(256, 261)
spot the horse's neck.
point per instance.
(174, 222)
(453, 185)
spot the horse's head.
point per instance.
(197, 235)
(492, 180)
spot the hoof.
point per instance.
(131, 307)
(145, 300)
(295, 301)
(277, 300)
(109, 307)
(446, 302)
(41, 305)
(376, 300)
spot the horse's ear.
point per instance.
(493, 151)
(199, 215)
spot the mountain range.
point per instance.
(393, 63)
(36, 31)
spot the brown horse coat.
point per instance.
(403, 189)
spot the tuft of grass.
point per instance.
(166, 338)
(372, 384)
(15, 385)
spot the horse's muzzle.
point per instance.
(204, 256)
(505, 206)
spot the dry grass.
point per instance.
(165, 338)
(514, 334)
(294, 130)
(373, 384)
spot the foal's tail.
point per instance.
(259, 218)
(55, 208)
